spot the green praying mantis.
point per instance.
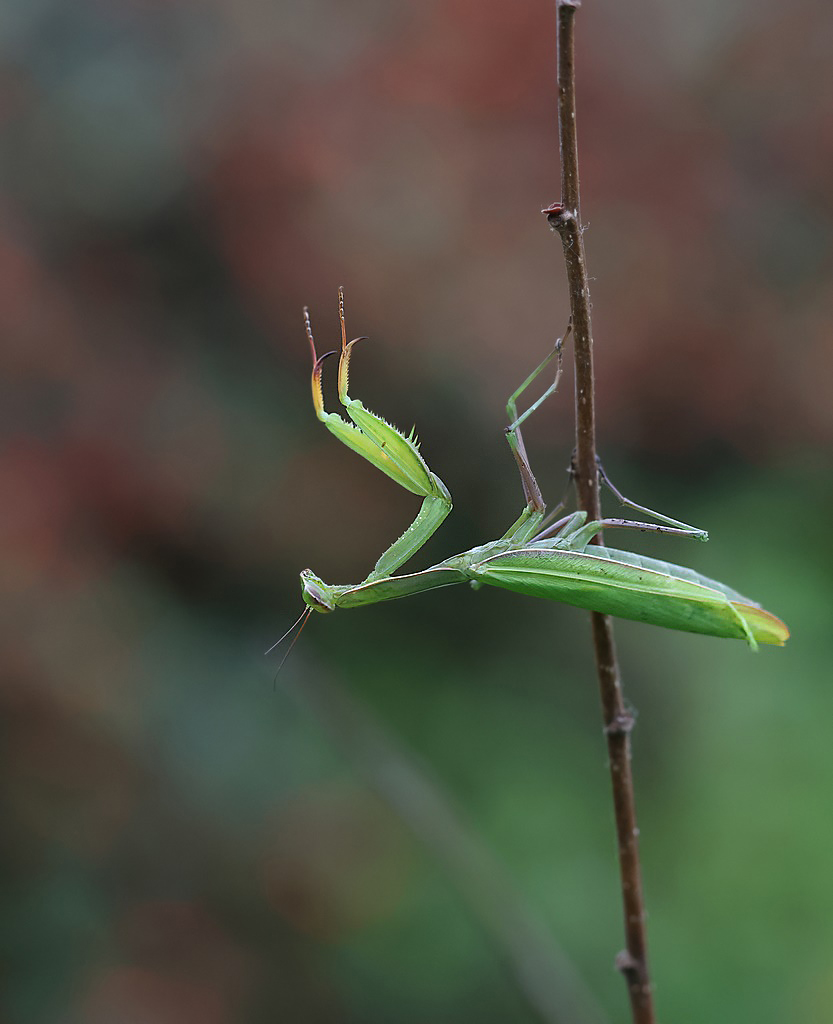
(536, 556)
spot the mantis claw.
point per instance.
(344, 364)
(317, 389)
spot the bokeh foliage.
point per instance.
(182, 840)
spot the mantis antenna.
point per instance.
(303, 618)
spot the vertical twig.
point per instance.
(565, 218)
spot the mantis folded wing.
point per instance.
(551, 560)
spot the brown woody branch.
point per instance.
(565, 218)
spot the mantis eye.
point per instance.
(316, 593)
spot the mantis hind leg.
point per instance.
(680, 528)
(585, 532)
(579, 534)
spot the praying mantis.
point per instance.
(536, 556)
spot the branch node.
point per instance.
(621, 725)
(626, 963)
(561, 219)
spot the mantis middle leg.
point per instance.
(525, 527)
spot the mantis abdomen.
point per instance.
(633, 587)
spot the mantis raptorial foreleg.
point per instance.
(384, 447)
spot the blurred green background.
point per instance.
(182, 839)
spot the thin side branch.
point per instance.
(564, 217)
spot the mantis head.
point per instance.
(317, 595)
